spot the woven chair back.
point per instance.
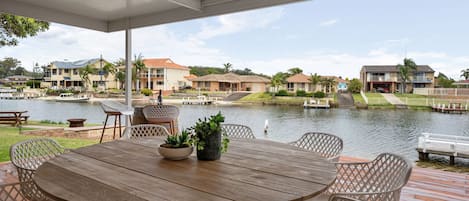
(27, 156)
(146, 130)
(325, 144)
(160, 111)
(238, 131)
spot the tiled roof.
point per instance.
(299, 78)
(393, 68)
(74, 64)
(163, 63)
(190, 77)
(462, 82)
(231, 78)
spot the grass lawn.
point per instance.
(376, 99)
(268, 99)
(357, 98)
(10, 136)
(414, 99)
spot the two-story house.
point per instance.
(164, 74)
(385, 78)
(65, 74)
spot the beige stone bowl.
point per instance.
(175, 154)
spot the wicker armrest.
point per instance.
(341, 198)
(379, 195)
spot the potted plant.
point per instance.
(177, 147)
(208, 137)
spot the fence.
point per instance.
(442, 91)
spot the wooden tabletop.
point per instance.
(133, 170)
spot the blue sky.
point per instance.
(328, 37)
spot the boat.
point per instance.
(70, 97)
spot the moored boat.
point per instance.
(70, 97)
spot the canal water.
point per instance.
(366, 133)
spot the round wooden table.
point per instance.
(133, 170)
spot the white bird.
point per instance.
(266, 125)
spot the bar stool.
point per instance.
(162, 114)
(115, 109)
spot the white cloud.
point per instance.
(328, 22)
(238, 22)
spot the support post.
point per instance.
(128, 75)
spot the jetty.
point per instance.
(317, 104)
(200, 100)
(451, 108)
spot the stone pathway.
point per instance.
(391, 98)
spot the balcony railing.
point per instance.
(381, 79)
(421, 79)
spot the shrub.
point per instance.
(301, 93)
(355, 86)
(282, 92)
(310, 94)
(319, 94)
(146, 92)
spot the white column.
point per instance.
(148, 79)
(165, 79)
(128, 74)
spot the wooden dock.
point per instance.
(316, 105)
(454, 108)
(200, 100)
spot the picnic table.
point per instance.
(133, 170)
(13, 117)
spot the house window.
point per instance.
(54, 71)
(60, 72)
(160, 83)
(75, 71)
(290, 86)
(159, 72)
(66, 70)
(207, 84)
(301, 86)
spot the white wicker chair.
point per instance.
(162, 114)
(238, 131)
(326, 145)
(381, 179)
(146, 130)
(27, 156)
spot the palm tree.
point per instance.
(85, 74)
(328, 83)
(228, 67)
(405, 71)
(139, 66)
(465, 74)
(278, 80)
(315, 79)
(294, 71)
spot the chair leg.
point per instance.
(104, 129)
(114, 130)
(120, 126)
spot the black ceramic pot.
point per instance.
(212, 148)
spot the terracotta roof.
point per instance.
(190, 77)
(462, 82)
(231, 78)
(163, 63)
(299, 78)
(393, 68)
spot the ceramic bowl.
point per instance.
(175, 153)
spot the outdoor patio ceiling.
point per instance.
(117, 15)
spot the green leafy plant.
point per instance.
(147, 92)
(209, 126)
(178, 141)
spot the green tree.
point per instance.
(405, 71)
(278, 79)
(120, 77)
(7, 65)
(465, 73)
(315, 80)
(294, 71)
(120, 62)
(85, 73)
(13, 27)
(444, 81)
(19, 71)
(329, 83)
(228, 67)
(355, 86)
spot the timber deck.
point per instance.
(425, 184)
